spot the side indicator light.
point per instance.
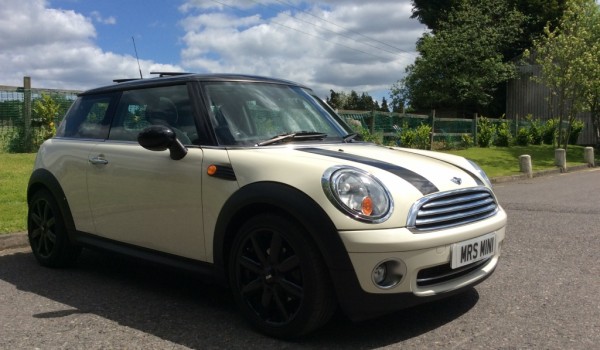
(212, 169)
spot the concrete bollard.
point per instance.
(588, 156)
(525, 165)
(560, 159)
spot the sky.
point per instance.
(341, 45)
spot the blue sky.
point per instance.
(335, 44)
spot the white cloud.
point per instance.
(104, 20)
(340, 45)
(58, 50)
(333, 44)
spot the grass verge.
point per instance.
(14, 174)
(504, 161)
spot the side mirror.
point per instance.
(160, 138)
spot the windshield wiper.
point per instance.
(349, 137)
(297, 136)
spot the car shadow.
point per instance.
(189, 310)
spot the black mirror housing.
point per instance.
(160, 138)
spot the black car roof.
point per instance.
(174, 78)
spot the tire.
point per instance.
(279, 279)
(47, 232)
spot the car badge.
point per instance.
(456, 180)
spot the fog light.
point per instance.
(379, 274)
(388, 273)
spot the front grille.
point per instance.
(453, 208)
(444, 273)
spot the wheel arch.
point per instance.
(285, 200)
(43, 179)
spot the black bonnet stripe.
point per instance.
(421, 183)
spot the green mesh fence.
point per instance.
(21, 129)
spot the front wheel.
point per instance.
(278, 278)
(47, 232)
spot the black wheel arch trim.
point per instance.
(44, 179)
(257, 197)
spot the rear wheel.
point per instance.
(47, 232)
(278, 278)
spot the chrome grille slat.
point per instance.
(453, 201)
(447, 209)
(456, 216)
(453, 208)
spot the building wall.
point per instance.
(524, 96)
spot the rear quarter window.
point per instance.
(88, 118)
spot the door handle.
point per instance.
(98, 160)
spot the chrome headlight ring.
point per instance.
(357, 193)
(481, 173)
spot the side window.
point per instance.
(88, 118)
(168, 106)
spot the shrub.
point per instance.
(524, 137)
(503, 134)
(485, 132)
(366, 135)
(576, 128)
(535, 130)
(549, 131)
(415, 138)
(466, 141)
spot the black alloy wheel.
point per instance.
(47, 232)
(278, 278)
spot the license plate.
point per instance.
(473, 250)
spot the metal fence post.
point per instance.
(432, 133)
(27, 139)
(475, 129)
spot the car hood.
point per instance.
(409, 175)
(425, 171)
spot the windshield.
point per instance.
(250, 114)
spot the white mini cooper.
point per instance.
(258, 182)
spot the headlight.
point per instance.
(358, 194)
(481, 173)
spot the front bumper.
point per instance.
(423, 255)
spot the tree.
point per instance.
(352, 101)
(384, 105)
(538, 14)
(568, 56)
(431, 12)
(337, 100)
(461, 63)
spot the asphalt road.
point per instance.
(544, 295)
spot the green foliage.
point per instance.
(28, 138)
(466, 141)
(461, 65)
(419, 137)
(524, 137)
(503, 137)
(366, 135)
(537, 13)
(576, 129)
(485, 132)
(549, 131)
(534, 129)
(568, 57)
(44, 112)
(352, 101)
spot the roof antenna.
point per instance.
(137, 58)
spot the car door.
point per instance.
(145, 198)
(85, 125)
